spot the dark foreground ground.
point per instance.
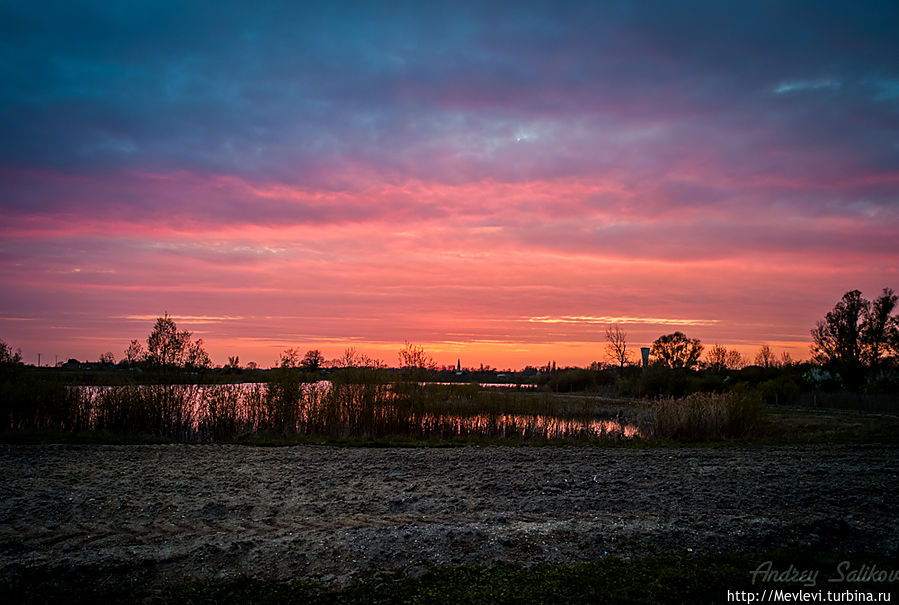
(166, 514)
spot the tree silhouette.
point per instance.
(135, 353)
(197, 357)
(617, 347)
(414, 356)
(168, 347)
(675, 350)
(8, 356)
(880, 331)
(765, 357)
(312, 361)
(290, 358)
(836, 337)
(720, 358)
(415, 362)
(857, 334)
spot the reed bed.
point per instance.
(705, 416)
(353, 405)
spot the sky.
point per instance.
(495, 181)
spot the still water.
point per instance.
(201, 411)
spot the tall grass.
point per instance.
(357, 403)
(705, 416)
(30, 402)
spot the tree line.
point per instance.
(855, 344)
(855, 347)
(678, 351)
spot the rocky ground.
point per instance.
(168, 513)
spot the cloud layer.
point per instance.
(444, 174)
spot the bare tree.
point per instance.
(349, 359)
(765, 357)
(197, 357)
(372, 362)
(721, 358)
(617, 347)
(290, 358)
(414, 356)
(352, 358)
(716, 358)
(415, 363)
(135, 353)
(734, 360)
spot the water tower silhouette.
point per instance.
(644, 351)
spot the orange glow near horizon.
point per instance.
(224, 337)
(490, 273)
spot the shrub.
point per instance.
(779, 391)
(705, 416)
(658, 380)
(567, 381)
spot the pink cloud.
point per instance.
(461, 267)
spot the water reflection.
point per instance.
(222, 412)
(526, 426)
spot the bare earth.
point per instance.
(168, 513)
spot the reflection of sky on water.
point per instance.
(203, 405)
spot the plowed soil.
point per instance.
(171, 513)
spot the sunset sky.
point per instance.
(497, 182)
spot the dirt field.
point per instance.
(172, 512)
